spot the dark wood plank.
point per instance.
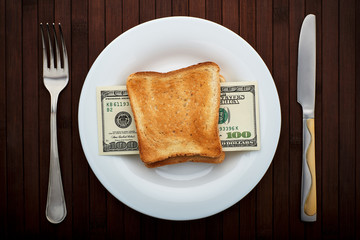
(31, 114)
(281, 159)
(197, 229)
(132, 223)
(264, 43)
(179, 7)
(79, 66)
(163, 8)
(296, 17)
(14, 119)
(347, 120)
(3, 130)
(98, 210)
(247, 21)
(230, 13)
(231, 223)
(357, 52)
(164, 229)
(148, 227)
(197, 8)
(113, 19)
(115, 218)
(130, 14)
(247, 221)
(181, 230)
(147, 10)
(113, 28)
(214, 226)
(213, 11)
(264, 209)
(313, 231)
(264, 31)
(62, 14)
(330, 123)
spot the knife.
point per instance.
(306, 97)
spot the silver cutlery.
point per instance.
(55, 78)
(306, 97)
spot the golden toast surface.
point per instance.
(176, 114)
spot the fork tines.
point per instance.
(53, 57)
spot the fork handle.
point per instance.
(55, 205)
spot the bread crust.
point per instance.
(176, 114)
(175, 160)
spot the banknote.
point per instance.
(239, 116)
(238, 119)
(116, 125)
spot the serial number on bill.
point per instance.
(117, 104)
(229, 128)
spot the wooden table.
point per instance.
(270, 210)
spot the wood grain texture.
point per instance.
(357, 103)
(347, 119)
(163, 8)
(330, 134)
(147, 10)
(213, 10)
(270, 210)
(3, 162)
(14, 120)
(31, 119)
(281, 77)
(197, 8)
(296, 227)
(231, 16)
(131, 15)
(164, 229)
(113, 19)
(179, 7)
(79, 66)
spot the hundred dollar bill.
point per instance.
(238, 119)
(239, 127)
(116, 125)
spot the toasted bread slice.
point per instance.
(176, 114)
(222, 79)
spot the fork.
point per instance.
(55, 80)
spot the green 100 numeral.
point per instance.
(245, 134)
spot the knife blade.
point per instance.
(306, 79)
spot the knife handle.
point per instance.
(308, 193)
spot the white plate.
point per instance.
(188, 190)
